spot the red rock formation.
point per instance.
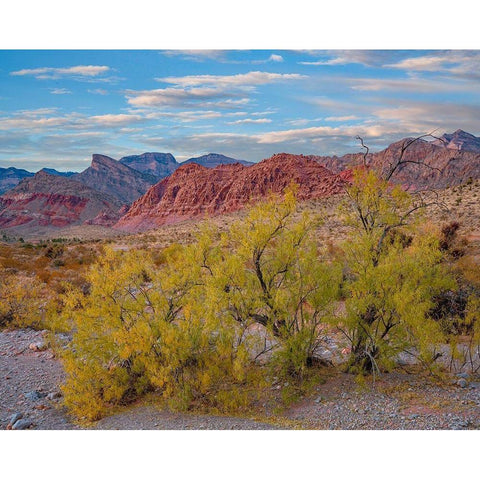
(195, 191)
(52, 201)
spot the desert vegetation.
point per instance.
(207, 323)
(207, 315)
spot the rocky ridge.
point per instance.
(195, 191)
(444, 166)
(158, 165)
(112, 177)
(11, 176)
(212, 160)
(46, 200)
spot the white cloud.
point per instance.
(412, 84)
(250, 120)
(299, 122)
(316, 133)
(275, 58)
(202, 89)
(458, 63)
(184, 116)
(53, 72)
(161, 97)
(60, 91)
(37, 121)
(423, 116)
(196, 55)
(239, 80)
(345, 118)
(344, 57)
(98, 91)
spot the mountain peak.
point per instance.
(158, 164)
(194, 191)
(459, 140)
(43, 173)
(212, 160)
(99, 160)
(114, 178)
(462, 132)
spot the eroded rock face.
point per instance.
(445, 166)
(459, 140)
(159, 165)
(52, 201)
(194, 191)
(109, 176)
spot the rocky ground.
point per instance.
(30, 399)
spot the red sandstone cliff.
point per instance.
(194, 191)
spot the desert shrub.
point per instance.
(22, 301)
(269, 274)
(395, 271)
(450, 311)
(201, 324)
(465, 349)
(54, 251)
(449, 241)
(141, 328)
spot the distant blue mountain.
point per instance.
(11, 177)
(52, 171)
(212, 160)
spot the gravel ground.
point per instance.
(30, 376)
(149, 418)
(24, 371)
(396, 402)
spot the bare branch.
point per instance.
(366, 150)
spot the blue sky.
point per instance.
(59, 107)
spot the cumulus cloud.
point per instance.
(77, 71)
(275, 58)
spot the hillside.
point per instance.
(194, 191)
(114, 178)
(158, 165)
(46, 202)
(11, 176)
(445, 166)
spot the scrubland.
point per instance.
(260, 310)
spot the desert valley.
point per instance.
(125, 228)
(239, 239)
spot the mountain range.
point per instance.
(194, 190)
(144, 191)
(48, 201)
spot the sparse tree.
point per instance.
(394, 270)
